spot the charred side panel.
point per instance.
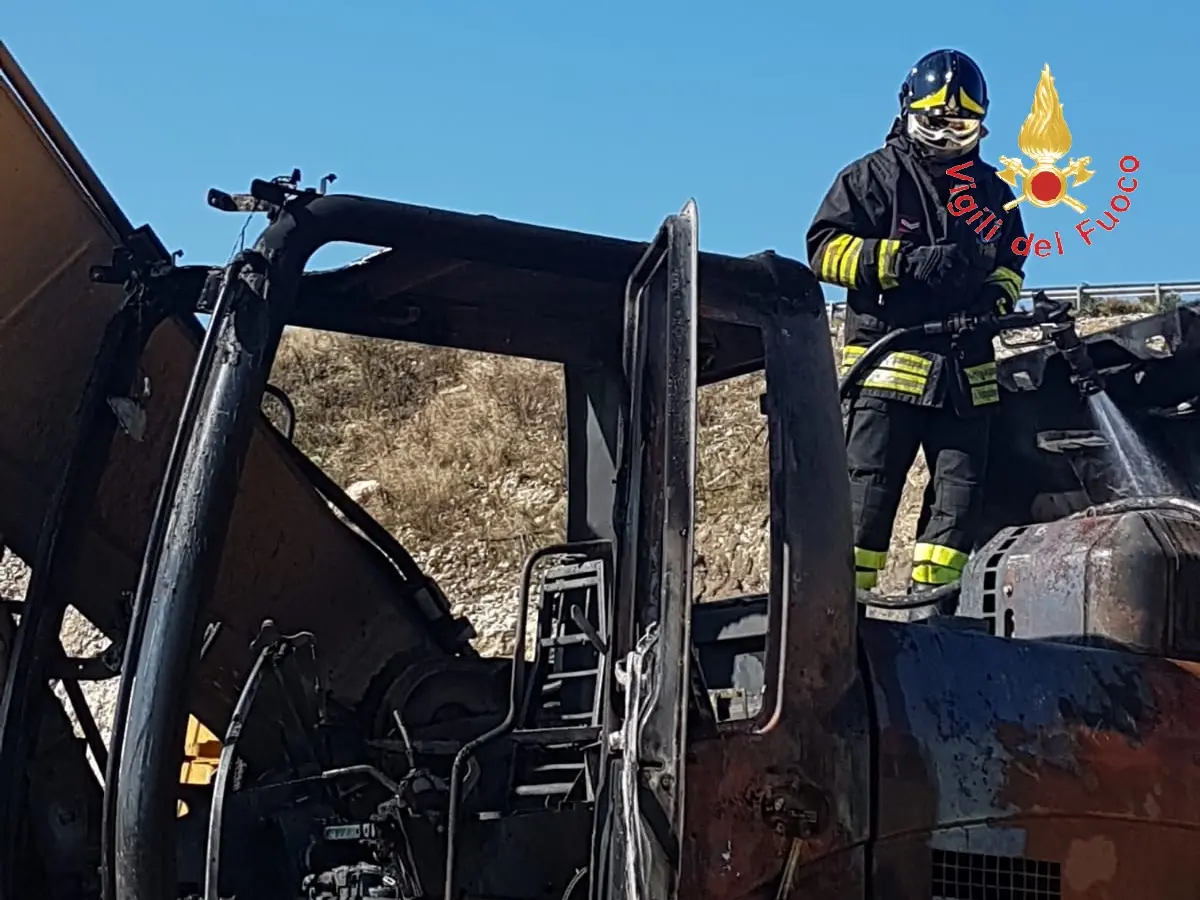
(1017, 751)
(780, 806)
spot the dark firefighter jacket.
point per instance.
(893, 196)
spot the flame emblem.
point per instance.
(1045, 138)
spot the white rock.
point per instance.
(362, 491)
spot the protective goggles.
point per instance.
(944, 130)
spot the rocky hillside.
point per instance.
(461, 456)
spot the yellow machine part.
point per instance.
(201, 755)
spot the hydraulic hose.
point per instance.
(872, 354)
(908, 601)
(142, 595)
(959, 323)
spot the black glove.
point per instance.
(991, 300)
(949, 270)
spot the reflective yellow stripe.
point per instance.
(907, 362)
(988, 393)
(840, 258)
(940, 555)
(968, 102)
(1009, 281)
(984, 389)
(866, 579)
(981, 374)
(831, 257)
(869, 559)
(848, 270)
(937, 98)
(888, 248)
(928, 573)
(850, 356)
(903, 372)
(895, 381)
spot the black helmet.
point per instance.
(944, 101)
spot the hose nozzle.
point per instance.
(1058, 324)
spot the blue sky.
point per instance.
(602, 117)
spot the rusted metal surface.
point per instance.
(749, 809)
(1079, 757)
(1125, 579)
(287, 557)
(780, 806)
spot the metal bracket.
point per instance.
(142, 257)
(268, 196)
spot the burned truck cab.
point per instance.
(369, 748)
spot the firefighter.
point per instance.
(892, 232)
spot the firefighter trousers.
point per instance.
(882, 439)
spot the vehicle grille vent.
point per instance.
(991, 578)
(974, 876)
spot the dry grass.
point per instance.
(461, 444)
(467, 450)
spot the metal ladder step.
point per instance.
(546, 768)
(544, 790)
(550, 737)
(565, 640)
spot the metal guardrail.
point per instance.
(1080, 292)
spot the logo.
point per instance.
(1045, 138)
(906, 226)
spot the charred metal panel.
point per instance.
(781, 803)
(1072, 755)
(1128, 580)
(654, 592)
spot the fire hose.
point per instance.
(1052, 318)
